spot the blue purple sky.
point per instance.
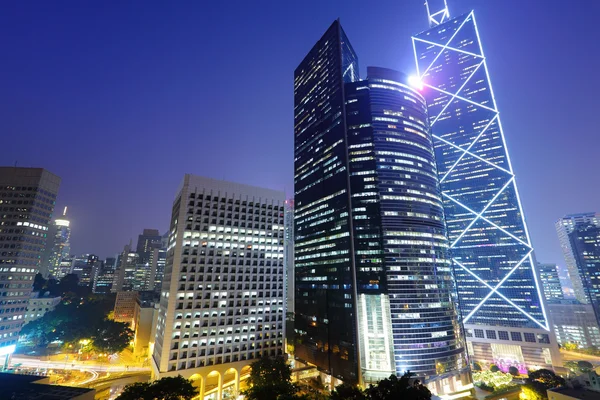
(121, 98)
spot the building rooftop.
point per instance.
(577, 393)
(31, 387)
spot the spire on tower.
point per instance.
(65, 212)
(437, 12)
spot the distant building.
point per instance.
(222, 302)
(39, 305)
(579, 236)
(550, 281)
(85, 268)
(64, 268)
(105, 276)
(145, 317)
(574, 322)
(149, 240)
(158, 260)
(58, 247)
(125, 275)
(288, 258)
(125, 306)
(27, 196)
(30, 387)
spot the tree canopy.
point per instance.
(270, 379)
(169, 388)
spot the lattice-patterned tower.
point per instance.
(500, 297)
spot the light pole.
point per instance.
(82, 343)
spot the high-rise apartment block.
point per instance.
(500, 298)
(579, 236)
(550, 282)
(222, 300)
(27, 199)
(374, 289)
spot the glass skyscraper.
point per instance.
(374, 288)
(500, 298)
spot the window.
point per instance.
(529, 337)
(503, 335)
(490, 334)
(516, 337)
(543, 338)
(479, 333)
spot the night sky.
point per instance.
(120, 99)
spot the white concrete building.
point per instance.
(222, 299)
(38, 306)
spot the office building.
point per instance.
(222, 300)
(39, 304)
(288, 258)
(125, 274)
(158, 259)
(550, 282)
(125, 306)
(500, 298)
(105, 275)
(374, 288)
(149, 240)
(86, 267)
(579, 236)
(64, 268)
(145, 317)
(574, 322)
(58, 247)
(27, 197)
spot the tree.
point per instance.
(169, 388)
(112, 337)
(394, 388)
(533, 391)
(546, 377)
(494, 368)
(477, 366)
(514, 371)
(585, 366)
(570, 346)
(271, 379)
(347, 391)
(38, 283)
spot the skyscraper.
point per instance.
(149, 240)
(579, 236)
(28, 196)
(550, 282)
(58, 247)
(222, 297)
(499, 294)
(374, 288)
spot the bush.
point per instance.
(477, 367)
(514, 371)
(494, 368)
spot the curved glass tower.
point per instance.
(374, 287)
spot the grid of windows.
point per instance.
(489, 243)
(27, 198)
(223, 290)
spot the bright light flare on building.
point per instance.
(415, 81)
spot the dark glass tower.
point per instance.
(374, 287)
(490, 247)
(325, 320)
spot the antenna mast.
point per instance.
(439, 14)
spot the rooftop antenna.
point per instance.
(438, 13)
(65, 212)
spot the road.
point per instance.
(84, 365)
(575, 356)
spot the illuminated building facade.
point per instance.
(574, 322)
(550, 282)
(27, 196)
(579, 236)
(500, 298)
(374, 289)
(59, 246)
(222, 300)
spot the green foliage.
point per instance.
(570, 346)
(347, 391)
(271, 379)
(477, 367)
(585, 366)
(494, 380)
(504, 390)
(546, 377)
(534, 391)
(78, 319)
(494, 368)
(514, 371)
(170, 388)
(394, 388)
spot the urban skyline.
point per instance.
(90, 232)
